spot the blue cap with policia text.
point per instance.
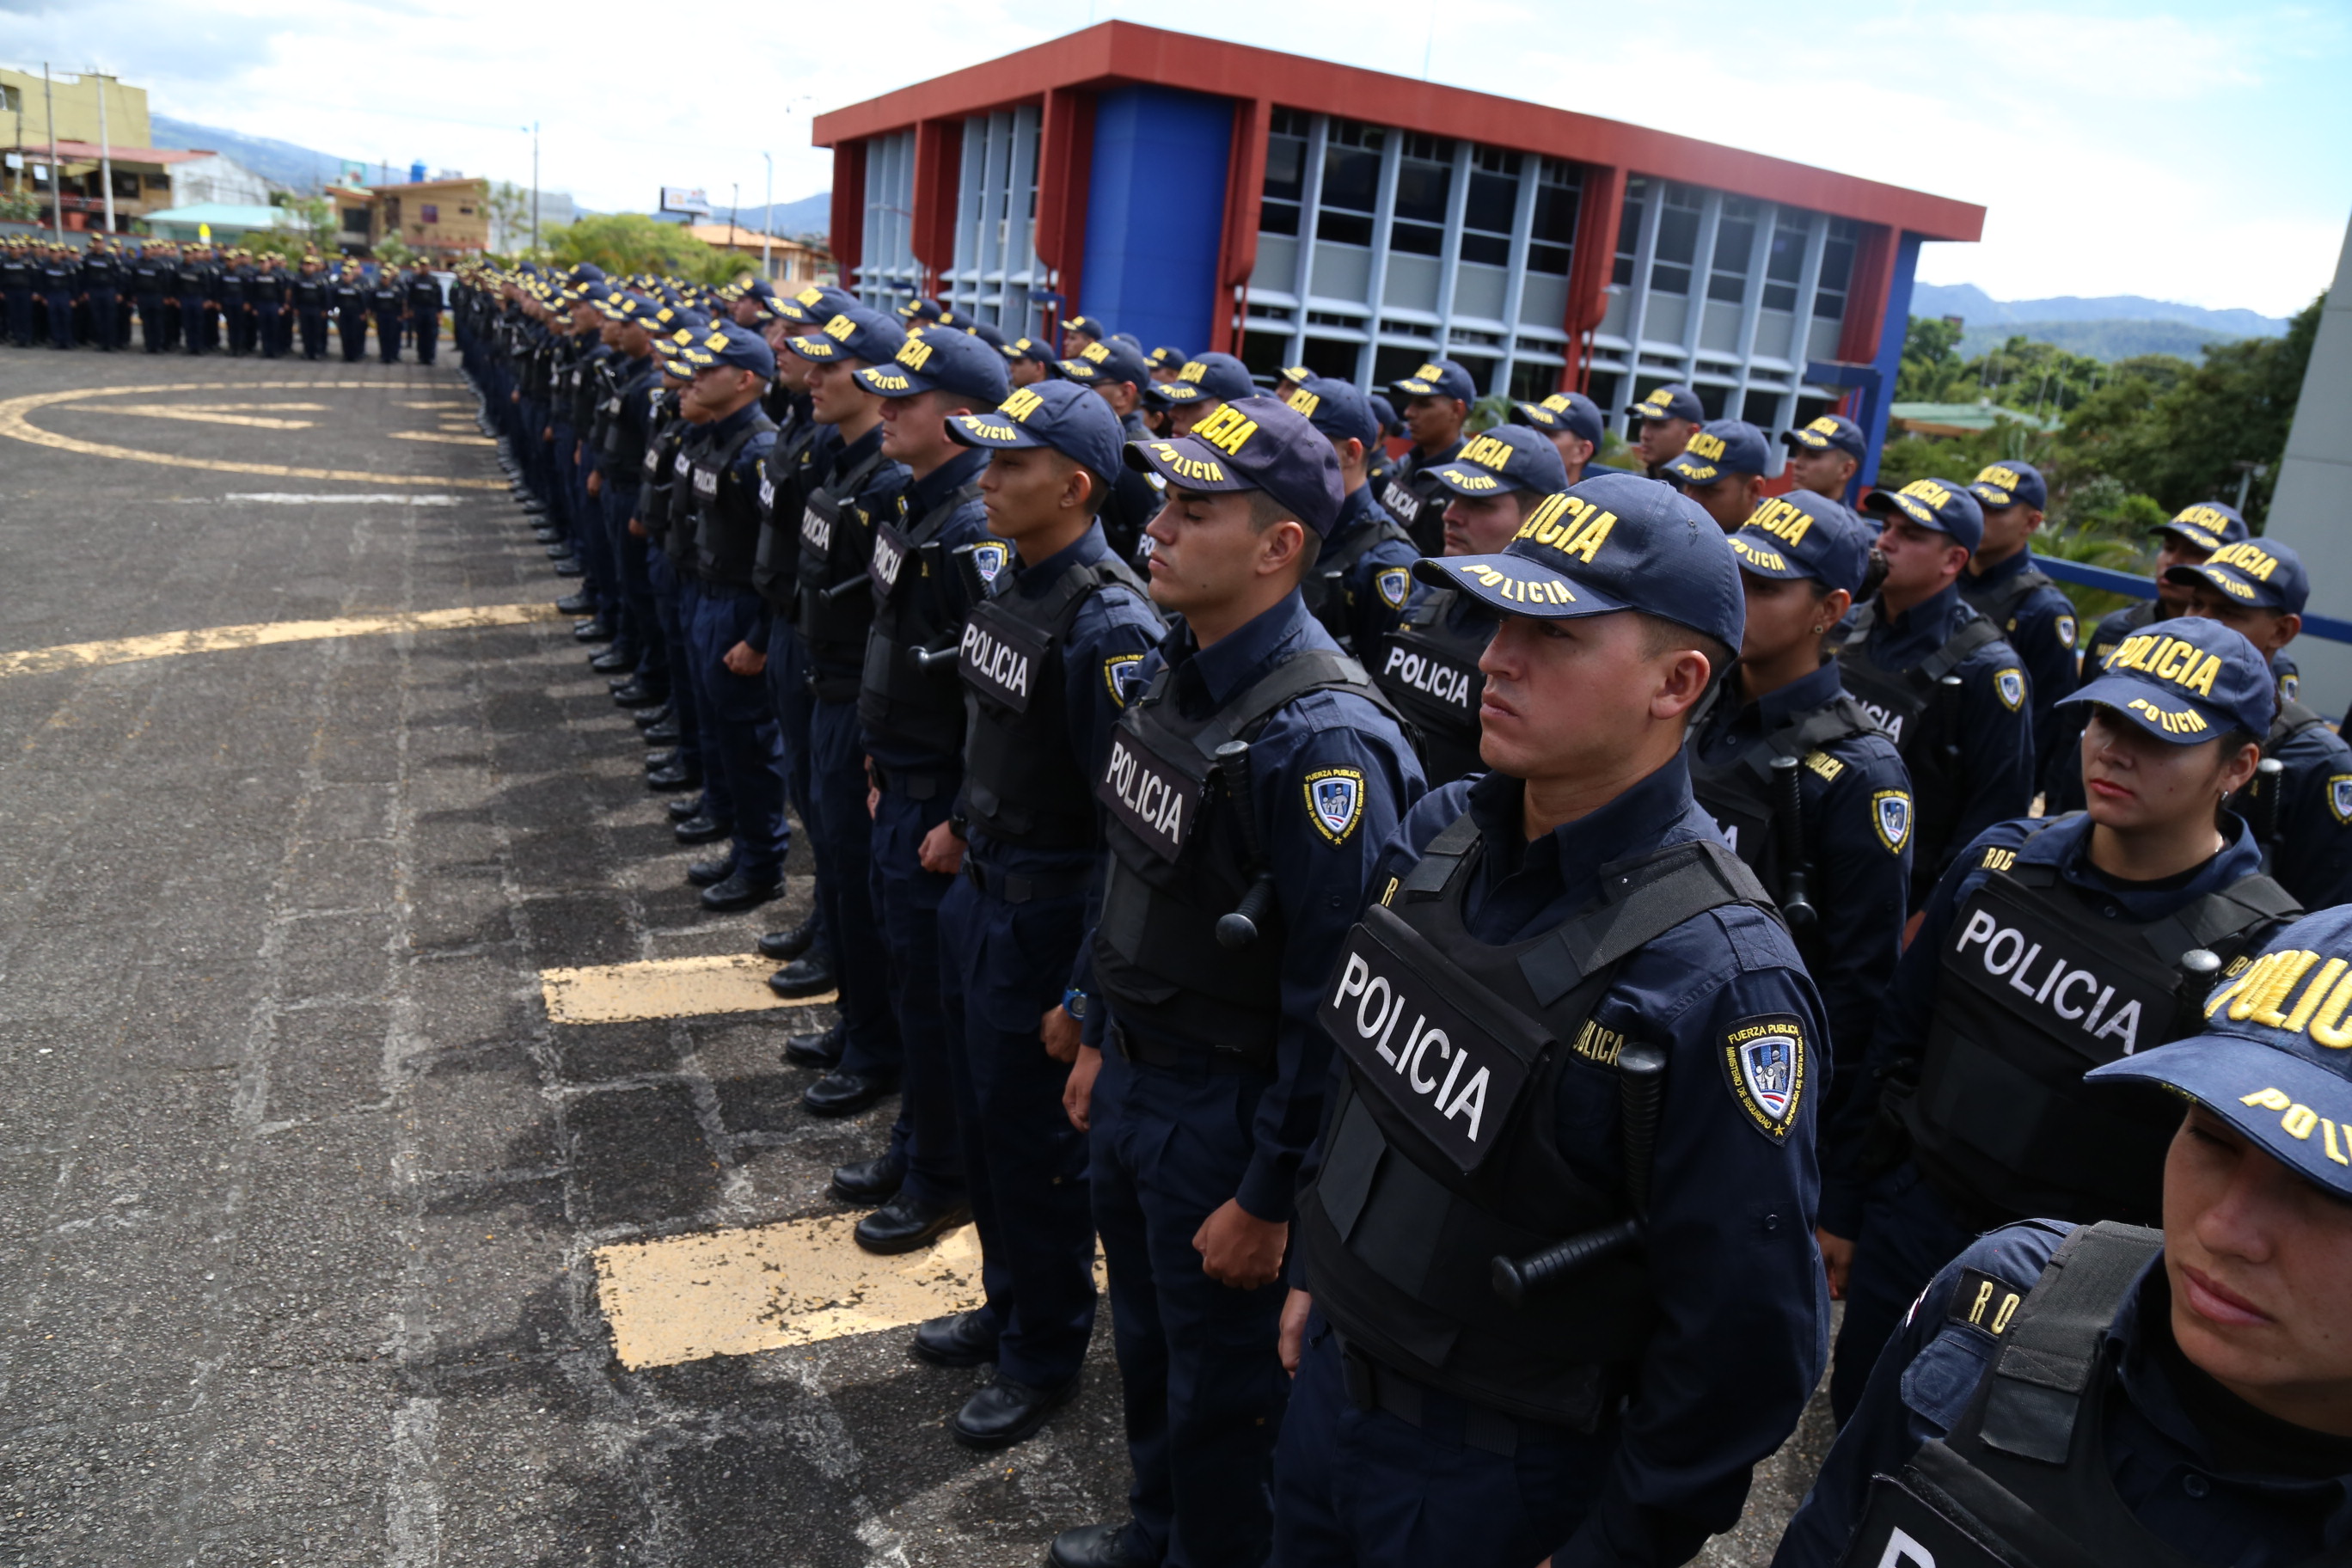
(1060, 414)
(2275, 1059)
(1335, 407)
(1942, 505)
(1252, 444)
(1108, 360)
(729, 344)
(2208, 525)
(854, 332)
(1571, 412)
(1669, 402)
(1719, 448)
(1507, 457)
(2185, 681)
(941, 359)
(1829, 430)
(2002, 485)
(2256, 573)
(1219, 376)
(1802, 534)
(1438, 378)
(1616, 542)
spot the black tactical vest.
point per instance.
(2023, 1480)
(1739, 793)
(1325, 588)
(775, 570)
(726, 509)
(1415, 499)
(1179, 863)
(1442, 1153)
(629, 424)
(908, 688)
(665, 433)
(677, 532)
(837, 602)
(1019, 784)
(1429, 668)
(1922, 718)
(1998, 605)
(2037, 988)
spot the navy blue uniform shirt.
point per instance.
(1743, 1334)
(2172, 1476)
(1996, 735)
(1861, 887)
(968, 524)
(746, 473)
(2313, 859)
(1320, 881)
(1379, 585)
(2042, 628)
(877, 497)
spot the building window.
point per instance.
(1352, 181)
(1784, 267)
(1735, 242)
(1424, 187)
(1492, 209)
(1837, 269)
(1551, 239)
(1286, 173)
(430, 212)
(1629, 230)
(1670, 267)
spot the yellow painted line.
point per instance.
(665, 988)
(215, 639)
(734, 1293)
(454, 441)
(15, 424)
(214, 414)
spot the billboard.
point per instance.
(684, 199)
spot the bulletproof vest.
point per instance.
(1921, 716)
(901, 693)
(726, 509)
(665, 432)
(2023, 1480)
(1738, 792)
(425, 296)
(1442, 1154)
(1414, 498)
(836, 604)
(1326, 587)
(1180, 859)
(1999, 605)
(1019, 784)
(12, 272)
(232, 286)
(775, 570)
(386, 299)
(2039, 986)
(628, 423)
(1429, 668)
(2132, 620)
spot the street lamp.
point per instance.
(533, 129)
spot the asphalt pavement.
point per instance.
(305, 1193)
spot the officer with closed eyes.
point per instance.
(2051, 944)
(1556, 1291)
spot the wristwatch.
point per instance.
(1074, 1002)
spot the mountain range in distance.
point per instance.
(2113, 327)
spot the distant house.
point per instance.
(789, 260)
(223, 222)
(1960, 418)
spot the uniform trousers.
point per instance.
(1004, 966)
(842, 835)
(1205, 1386)
(314, 334)
(61, 321)
(795, 706)
(387, 336)
(1909, 1231)
(669, 614)
(637, 630)
(19, 302)
(352, 325)
(154, 335)
(739, 740)
(907, 903)
(428, 337)
(105, 318)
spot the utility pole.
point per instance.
(56, 175)
(105, 159)
(534, 186)
(768, 223)
(734, 211)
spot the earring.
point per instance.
(1818, 630)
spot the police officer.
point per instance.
(1437, 401)
(1080, 334)
(1722, 469)
(1167, 363)
(273, 307)
(1573, 422)
(18, 269)
(1815, 799)
(1119, 373)
(1028, 361)
(2258, 588)
(388, 302)
(60, 281)
(1938, 679)
(2118, 1397)
(351, 322)
(424, 307)
(1199, 388)
(1824, 455)
(235, 313)
(1429, 668)
(932, 560)
(1568, 1010)
(835, 614)
(624, 435)
(1363, 574)
(1047, 662)
(1256, 773)
(150, 272)
(313, 293)
(2053, 943)
(102, 285)
(1667, 418)
(2003, 586)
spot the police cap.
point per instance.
(1061, 415)
(2259, 573)
(1438, 378)
(1508, 457)
(1943, 505)
(1106, 361)
(1802, 534)
(1219, 376)
(2006, 484)
(941, 359)
(1669, 402)
(1255, 443)
(2185, 681)
(728, 344)
(1335, 407)
(1719, 448)
(2208, 525)
(854, 332)
(1829, 430)
(1568, 412)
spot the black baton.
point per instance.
(1239, 929)
(2270, 784)
(1640, 1091)
(1788, 822)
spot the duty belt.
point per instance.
(1176, 1059)
(1020, 888)
(915, 783)
(1374, 1385)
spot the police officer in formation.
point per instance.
(1437, 401)
(1667, 419)
(1528, 1120)
(2002, 584)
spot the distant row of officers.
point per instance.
(1488, 944)
(201, 300)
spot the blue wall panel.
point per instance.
(1155, 214)
(1892, 332)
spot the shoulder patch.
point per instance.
(988, 558)
(1395, 584)
(1119, 673)
(2288, 685)
(1335, 801)
(2064, 627)
(1982, 1301)
(1764, 1063)
(1827, 766)
(2009, 685)
(1890, 814)
(2339, 798)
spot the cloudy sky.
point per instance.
(2197, 154)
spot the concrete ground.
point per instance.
(301, 1186)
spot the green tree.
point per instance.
(1931, 361)
(624, 243)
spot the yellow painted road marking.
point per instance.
(453, 440)
(15, 424)
(218, 414)
(214, 639)
(664, 988)
(732, 1292)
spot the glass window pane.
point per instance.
(1419, 238)
(1677, 234)
(1723, 286)
(1786, 263)
(1278, 217)
(1344, 227)
(1553, 258)
(1351, 178)
(1422, 189)
(1837, 263)
(1493, 249)
(1555, 218)
(1494, 202)
(1733, 239)
(1286, 167)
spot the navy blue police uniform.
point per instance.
(149, 274)
(19, 268)
(1660, 404)
(1360, 581)
(1953, 697)
(1835, 431)
(423, 303)
(2035, 1404)
(1851, 850)
(314, 293)
(59, 274)
(2029, 962)
(1134, 495)
(2307, 832)
(1612, 1414)
(1408, 492)
(1047, 663)
(102, 285)
(2030, 613)
(1212, 1081)
(350, 326)
(388, 300)
(621, 438)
